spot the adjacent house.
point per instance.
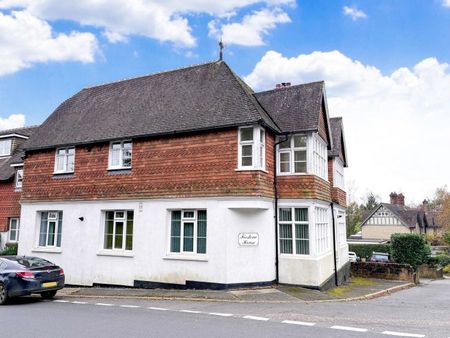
(11, 177)
(390, 218)
(187, 178)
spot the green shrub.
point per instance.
(446, 237)
(433, 261)
(10, 250)
(443, 260)
(365, 250)
(447, 269)
(409, 249)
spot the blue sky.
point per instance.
(372, 40)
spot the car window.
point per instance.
(2, 265)
(31, 262)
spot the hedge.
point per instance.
(10, 250)
(365, 250)
(409, 249)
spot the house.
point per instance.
(11, 176)
(187, 178)
(390, 218)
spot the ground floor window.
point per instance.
(50, 229)
(14, 227)
(322, 230)
(294, 231)
(119, 230)
(188, 231)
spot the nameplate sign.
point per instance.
(248, 238)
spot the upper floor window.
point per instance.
(65, 160)
(120, 155)
(5, 147)
(50, 229)
(19, 178)
(303, 154)
(252, 145)
(338, 174)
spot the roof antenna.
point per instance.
(221, 49)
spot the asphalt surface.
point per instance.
(422, 311)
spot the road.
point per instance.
(418, 312)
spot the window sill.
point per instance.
(47, 250)
(113, 253)
(63, 175)
(182, 257)
(251, 169)
(118, 168)
(119, 171)
(18, 190)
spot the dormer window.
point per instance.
(120, 155)
(5, 147)
(65, 160)
(252, 148)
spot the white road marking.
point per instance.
(298, 323)
(130, 306)
(157, 308)
(78, 302)
(221, 314)
(256, 318)
(190, 311)
(348, 328)
(402, 334)
(104, 304)
(61, 301)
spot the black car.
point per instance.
(22, 276)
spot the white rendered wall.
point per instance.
(85, 262)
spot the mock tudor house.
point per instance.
(11, 177)
(395, 217)
(187, 178)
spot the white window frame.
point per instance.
(115, 220)
(291, 151)
(292, 224)
(111, 166)
(65, 158)
(342, 228)
(258, 144)
(52, 216)
(322, 230)
(5, 147)
(183, 221)
(16, 230)
(19, 178)
(338, 174)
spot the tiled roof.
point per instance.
(24, 131)
(294, 108)
(202, 97)
(337, 132)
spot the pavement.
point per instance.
(357, 289)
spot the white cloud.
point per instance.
(12, 121)
(251, 31)
(26, 40)
(396, 124)
(446, 3)
(354, 13)
(162, 20)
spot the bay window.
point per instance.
(188, 231)
(338, 173)
(303, 154)
(294, 231)
(5, 147)
(322, 230)
(252, 153)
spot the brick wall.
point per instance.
(337, 195)
(304, 186)
(9, 204)
(194, 165)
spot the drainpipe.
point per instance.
(275, 185)
(334, 245)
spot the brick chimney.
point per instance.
(283, 85)
(398, 199)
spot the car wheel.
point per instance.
(48, 294)
(3, 294)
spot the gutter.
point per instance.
(275, 185)
(334, 245)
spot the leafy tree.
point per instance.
(439, 199)
(353, 218)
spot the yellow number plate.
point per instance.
(49, 284)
